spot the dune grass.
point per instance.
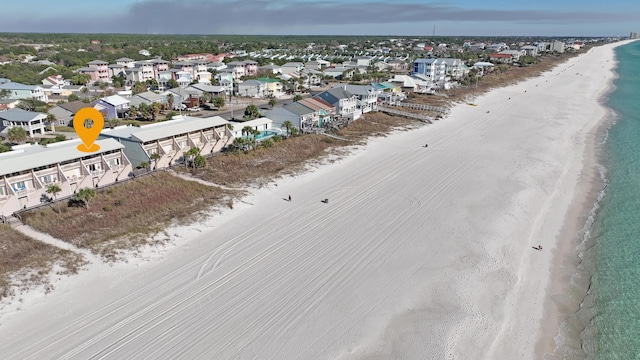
(293, 155)
(26, 262)
(124, 216)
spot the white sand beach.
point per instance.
(420, 253)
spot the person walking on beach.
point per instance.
(289, 197)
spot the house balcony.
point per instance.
(24, 192)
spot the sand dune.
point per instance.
(420, 253)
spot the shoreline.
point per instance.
(444, 292)
(567, 290)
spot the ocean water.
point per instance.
(614, 296)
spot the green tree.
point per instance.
(267, 143)
(54, 189)
(170, 101)
(80, 79)
(73, 97)
(85, 195)
(251, 112)
(172, 83)
(190, 156)
(132, 113)
(297, 97)
(4, 93)
(139, 87)
(4, 148)
(144, 165)
(205, 98)
(272, 102)
(17, 135)
(288, 125)
(199, 162)
(112, 122)
(218, 102)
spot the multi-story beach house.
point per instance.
(21, 91)
(185, 66)
(237, 69)
(31, 122)
(171, 139)
(345, 102)
(125, 62)
(27, 171)
(102, 69)
(434, 69)
(141, 71)
(367, 96)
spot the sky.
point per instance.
(326, 17)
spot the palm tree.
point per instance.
(218, 102)
(251, 112)
(287, 125)
(113, 122)
(17, 135)
(272, 102)
(133, 112)
(51, 119)
(85, 195)
(54, 189)
(155, 110)
(170, 101)
(145, 111)
(190, 156)
(239, 143)
(155, 157)
(205, 98)
(247, 130)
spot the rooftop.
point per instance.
(26, 157)
(115, 100)
(19, 115)
(151, 132)
(73, 106)
(16, 86)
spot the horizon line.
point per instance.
(300, 35)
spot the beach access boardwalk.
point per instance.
(424, 107)
(420, 117)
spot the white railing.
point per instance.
(25, 192)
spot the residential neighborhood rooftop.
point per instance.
(19, 115)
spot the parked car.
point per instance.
(194, 109)
(179, 107)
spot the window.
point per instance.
(18, 186)
(114, 162)
(2, 191)
(47, 179)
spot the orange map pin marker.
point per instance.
(88, 123)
